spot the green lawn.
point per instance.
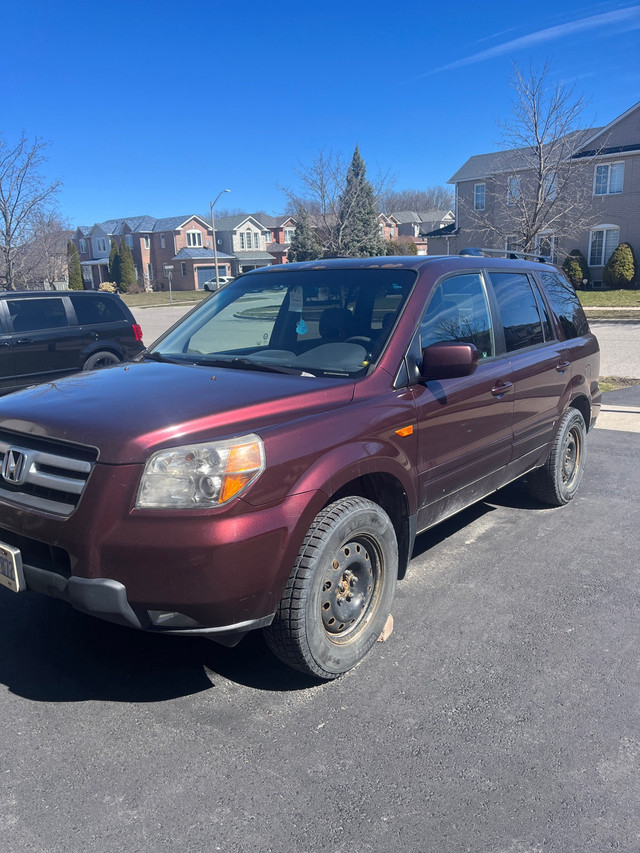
(161, 298)
(610, 298)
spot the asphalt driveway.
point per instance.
(501, 716)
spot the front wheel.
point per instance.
(557, 481)
(340, 590)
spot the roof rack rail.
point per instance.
(508, 253)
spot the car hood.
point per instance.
(129, 410)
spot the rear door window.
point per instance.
(458, 312)
(518, 310)
(30, 315)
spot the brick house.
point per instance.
(606, 183)
(183, 242)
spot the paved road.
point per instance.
(501, 716)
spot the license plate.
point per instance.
(11, 574)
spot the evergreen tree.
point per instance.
(128, 280)
(620, 269)
(114, 263)
(74, 268)
(304, 245)
(576, 268)
(357, 216)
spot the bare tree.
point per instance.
(44, 257)
(322, 187)
(537, 195)
(431, 198)
(25, 196)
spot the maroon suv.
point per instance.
(270, 460)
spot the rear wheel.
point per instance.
(557, 481)
(340, 590)
(101, 359)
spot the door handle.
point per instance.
(562, 366)
(24, 341)
(501, 388)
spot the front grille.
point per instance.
(43, 475)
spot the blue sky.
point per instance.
(154, 107)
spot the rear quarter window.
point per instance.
(565, 304)
(97, 309)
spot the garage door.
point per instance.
(204, 274)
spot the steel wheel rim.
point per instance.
(351, 586)
(571, 457)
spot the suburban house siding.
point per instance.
(600, 154)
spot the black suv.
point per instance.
(47, 334)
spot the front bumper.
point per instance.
(218, 573)
(107, 599)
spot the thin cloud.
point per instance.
(629, 16)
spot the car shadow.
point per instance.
(514, 496)
(52, 653)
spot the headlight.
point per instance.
(201, 475)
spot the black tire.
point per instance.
(556, 483)
(340, 590)
(101, 359)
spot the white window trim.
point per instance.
(604, 243)
(595, 177)
(484, 196)
(83, 247)
(553, 240)
(196, 235)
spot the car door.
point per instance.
(541, 365)
(46, 340)
(464, 424)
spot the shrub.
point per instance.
(399, 247)
(620, 269)
(108, 287)
(576, 268)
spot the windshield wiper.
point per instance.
(161, 357)
(242, 363)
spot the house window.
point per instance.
(162, 241)
(608, 179)
(129, 241)
(511, 244)
(288, 234)
(147, 241)
(602, 243)
(478, 197)
(183, 269)
(550, 185)
(194, 238)
(546, 245)
(83, 247)
(249, 240)
(241, 240)
(513, 190)
(150, 272)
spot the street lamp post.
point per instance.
(213, 229)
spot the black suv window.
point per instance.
(566, 304)
(97, 309)
(459, 312)
(518, 310)
(28, 315)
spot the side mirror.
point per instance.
(448, 361)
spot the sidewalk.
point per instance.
(621, 410)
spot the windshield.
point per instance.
(321, 322)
